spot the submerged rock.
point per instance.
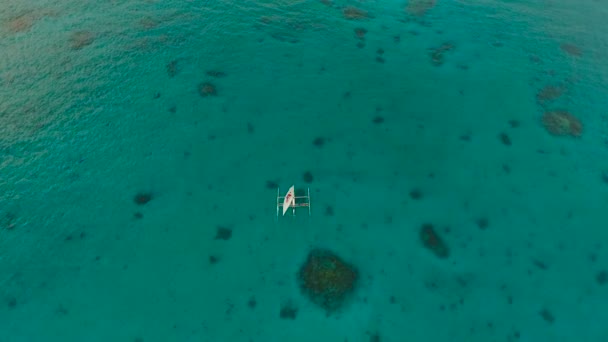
(327, 280)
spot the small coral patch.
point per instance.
(354, 13)
(207, 89)
(562, 123)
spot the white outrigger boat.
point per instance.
(290, 200)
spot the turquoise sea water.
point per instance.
(407, 114)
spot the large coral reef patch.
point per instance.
(327, 280)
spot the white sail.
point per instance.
(290, 199)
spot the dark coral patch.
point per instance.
(416, 194)
(288, 311)
(8, 221)
(307, 177)
(270, 184)
(378, 120)
(504, 139)
(547, 316)
(252, 303)
(482, 223)
(223, 233)
(142, 198)
(319, 142)
(432, 241)
(213, 259)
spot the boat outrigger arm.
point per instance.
(290, 200)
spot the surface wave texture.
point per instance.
(456, 154)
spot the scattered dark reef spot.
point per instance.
(142, 198)
(307, 177)
(433, 242)
(223, 233)
(288, 311)
(378, 120)
(319, 142)
(482, 223)
(270, 184)
(416, 194)
(547, 316)
(505, 139)
(206, 89)
(252, 303)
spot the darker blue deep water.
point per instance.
(456, 154)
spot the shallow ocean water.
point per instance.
(428, 112)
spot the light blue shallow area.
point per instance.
(99, 102)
